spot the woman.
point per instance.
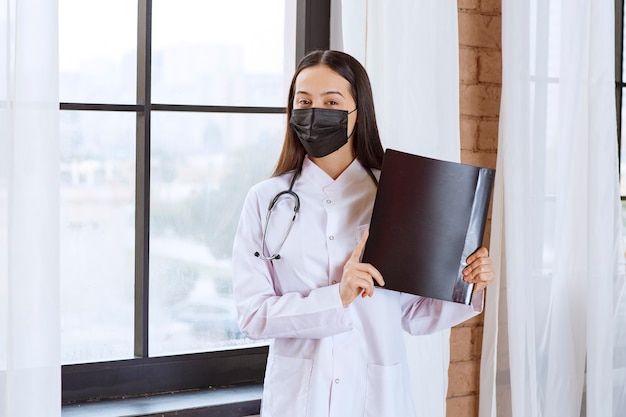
(337, 345)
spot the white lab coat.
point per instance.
(326, 359)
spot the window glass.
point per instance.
(204, 52)
(97, 232)
(214, 52)
(202, 165)
(98, 51)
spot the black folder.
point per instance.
(428, 217)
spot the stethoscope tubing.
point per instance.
(296, 209)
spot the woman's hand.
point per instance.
(479, 270)
(358, 278)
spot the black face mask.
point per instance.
(321, 131)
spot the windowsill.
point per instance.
(223, 401)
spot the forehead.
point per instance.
(320, 79)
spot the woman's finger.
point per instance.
(479, 270)
(481, 252)
(358, 250)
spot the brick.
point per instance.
(461, 348)
(468, 4)
(487, 135)
(477, 342)
(465, 406)
(469, 132)
(480, 80)
(487, 237)
(468, 64)
(480, 100)
(483, 159)
(463, 378)
(480, 31)
(489, 65)
(491, 6)
(466, 343)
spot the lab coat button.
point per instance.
(337, 381)
(328, 201)
(331, 237)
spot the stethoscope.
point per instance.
(296, 209)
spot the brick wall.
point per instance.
(480, 76)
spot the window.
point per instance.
(170, 111)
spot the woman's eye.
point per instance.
(333, 103)
(303, 102)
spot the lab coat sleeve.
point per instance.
(264, 314)
(421, 315)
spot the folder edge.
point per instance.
(463, 291)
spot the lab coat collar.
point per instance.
(311, 172)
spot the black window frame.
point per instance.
(620, 84)
(144, 375)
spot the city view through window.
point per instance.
(204, 53)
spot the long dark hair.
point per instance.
(366, 140)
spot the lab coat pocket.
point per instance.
(385, 391)
(289, 384)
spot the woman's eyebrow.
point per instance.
(329, 92)
(332, 92)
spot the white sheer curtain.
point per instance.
(410, 50)
(30, 372)
(556, 343)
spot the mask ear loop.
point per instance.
(296, 209)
